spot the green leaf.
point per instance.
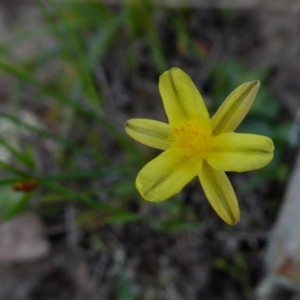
(26, 158)
(124, 289)
(11, 202)
(122, 217)
(18, 206)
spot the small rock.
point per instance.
(21, 239)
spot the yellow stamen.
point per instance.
(193, 137)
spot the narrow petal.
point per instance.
(149, 132)
(181, 98)
(234, 109)
(240, 152)
(166, 175)
(220, 193)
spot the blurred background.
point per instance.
(73, 225)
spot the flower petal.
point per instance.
(240, 152)
(181, 98)
(220, 193)
(166, 175)
(234, 109)
(149, 132)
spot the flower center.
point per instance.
(193, 138)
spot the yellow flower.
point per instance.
(194, 144)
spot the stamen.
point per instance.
(193, 138)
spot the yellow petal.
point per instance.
(166, 175)
(234, 109)
(149, 132)
(181, 98)
(220, 193)
(240, 152)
